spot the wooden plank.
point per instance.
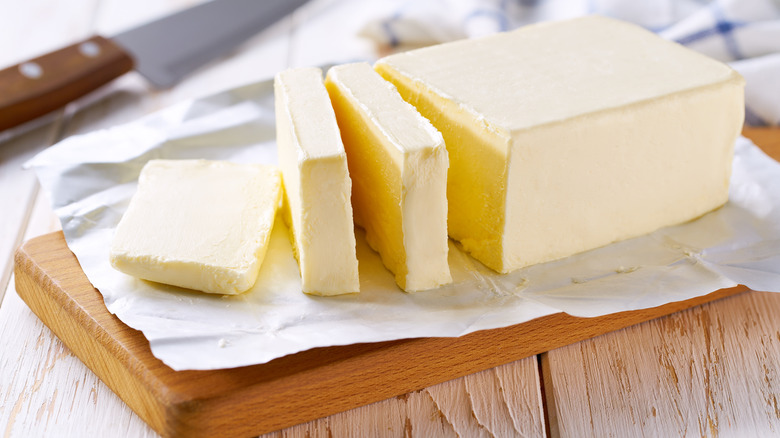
(288, 390)
(56, 24)
(64, 23)
(705, 371)
(18, 189)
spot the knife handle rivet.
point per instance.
(89, 49)
(31, 70)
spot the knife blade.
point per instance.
(163, 51)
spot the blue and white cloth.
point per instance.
(744, 33)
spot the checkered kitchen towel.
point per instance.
(744, 33)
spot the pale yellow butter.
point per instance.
(567, 136)
(317, 184)
(398, 164)
(198, 224)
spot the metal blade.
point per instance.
(171, 47)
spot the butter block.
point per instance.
(398, 164)
(198, 224)
(317, 186)
(568, 136)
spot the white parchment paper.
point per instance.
(91, 178)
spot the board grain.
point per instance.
(290, 390)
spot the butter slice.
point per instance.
(316, 182)
(398, 164)
(198, 224)
(567, 136)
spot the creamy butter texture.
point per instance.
(198, 224)
(317, 184)
(567, 136)
(398, 164)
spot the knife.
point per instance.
(163, 51)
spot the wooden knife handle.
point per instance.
(41, 85)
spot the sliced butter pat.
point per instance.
(398, 164)
(567, 136)
(316, 182)
(198, 224)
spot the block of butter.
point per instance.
(198, 224)
(398, 164)
(567, 136)
(316, 180)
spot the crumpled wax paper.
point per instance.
(91, 178)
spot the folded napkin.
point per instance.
(744, 33)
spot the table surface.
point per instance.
(710, 370)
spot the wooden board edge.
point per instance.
(145, 387)
(68, 324)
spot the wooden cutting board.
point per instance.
(251, 400)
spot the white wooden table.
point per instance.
(711, 370)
